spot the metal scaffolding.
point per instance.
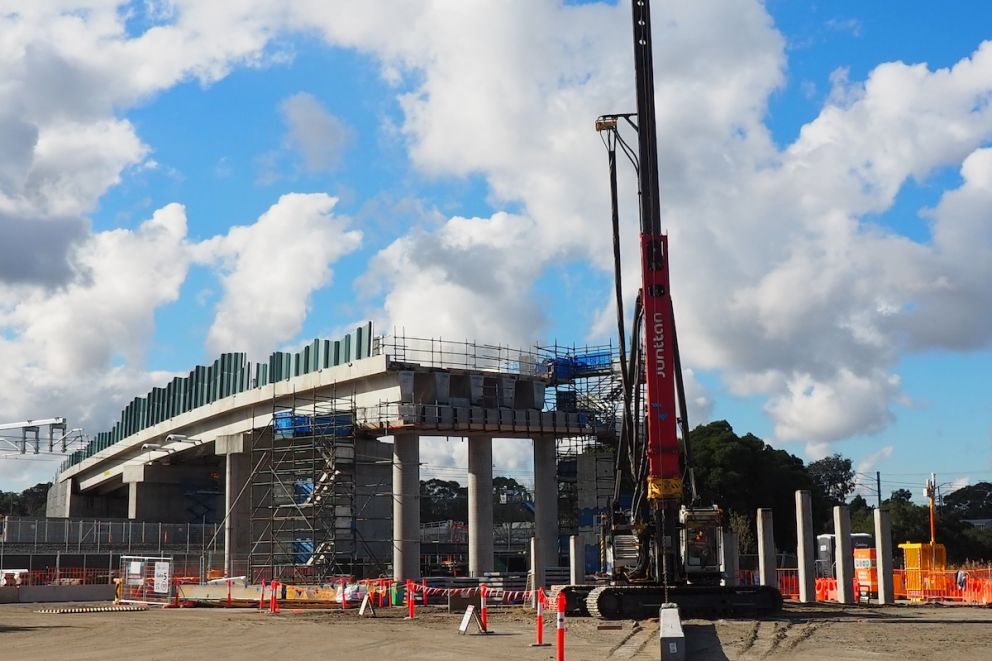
(305, 499)
(586, 381)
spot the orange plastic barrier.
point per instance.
(788, 583)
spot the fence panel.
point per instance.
(146, 580)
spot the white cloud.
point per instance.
(271, 268)
(78, 351)
(780, 281)
(466, 280)
(959, 483)
(823, 410)
(317, 135)
(699, 403)
(869, 463)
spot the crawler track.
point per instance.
(639, 602)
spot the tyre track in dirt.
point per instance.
(764, 639)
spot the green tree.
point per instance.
(740, 523)
(510, 500)
(833, 477)
(442, 500)
(33, 501)
(743, 473)
(862, 516)
(970, 502)
(901, 496)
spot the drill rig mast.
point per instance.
(659, 550)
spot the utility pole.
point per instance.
(878, 485)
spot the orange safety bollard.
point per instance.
(228, 592)
(560, 626)
(423, 582)
(261, 598)
(274, 603)
(409, 599)
(484, 614)
(539, 642)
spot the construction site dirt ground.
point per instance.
(907, 633)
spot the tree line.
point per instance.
(743, 473)
(31, 502)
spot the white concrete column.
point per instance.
(536, 568)
(155, 502)
(237, 510)
(480, 505)
(406, 506)
(844, 555)
(767, 571)
(576, 560)
(133, 500)
(805, 547)
(731, 558)
(546, 501)
(883, 556)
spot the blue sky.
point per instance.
(422, 116)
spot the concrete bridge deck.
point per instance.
(144, 475)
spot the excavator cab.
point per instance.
(702, 545)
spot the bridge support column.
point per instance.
(576, 560)
(480, 505)
(406, 506)
(767, 571)
(805, 547)
(845, 555)
(155, 501)
(237, 509)
(883, 556)
(546, 501)
(731, 558)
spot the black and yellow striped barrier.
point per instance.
(92, 609)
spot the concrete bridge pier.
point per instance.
(845, 555)
(883, 556)
(406, 506)
(480, 505)
(806, 546)
(767, 569)
(546, 501)
(237, 508)
(731, 558)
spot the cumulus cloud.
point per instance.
(270, 269)
(78, 351)
(468, 279)
(782, 281)
(317, 135)
(869, 463)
